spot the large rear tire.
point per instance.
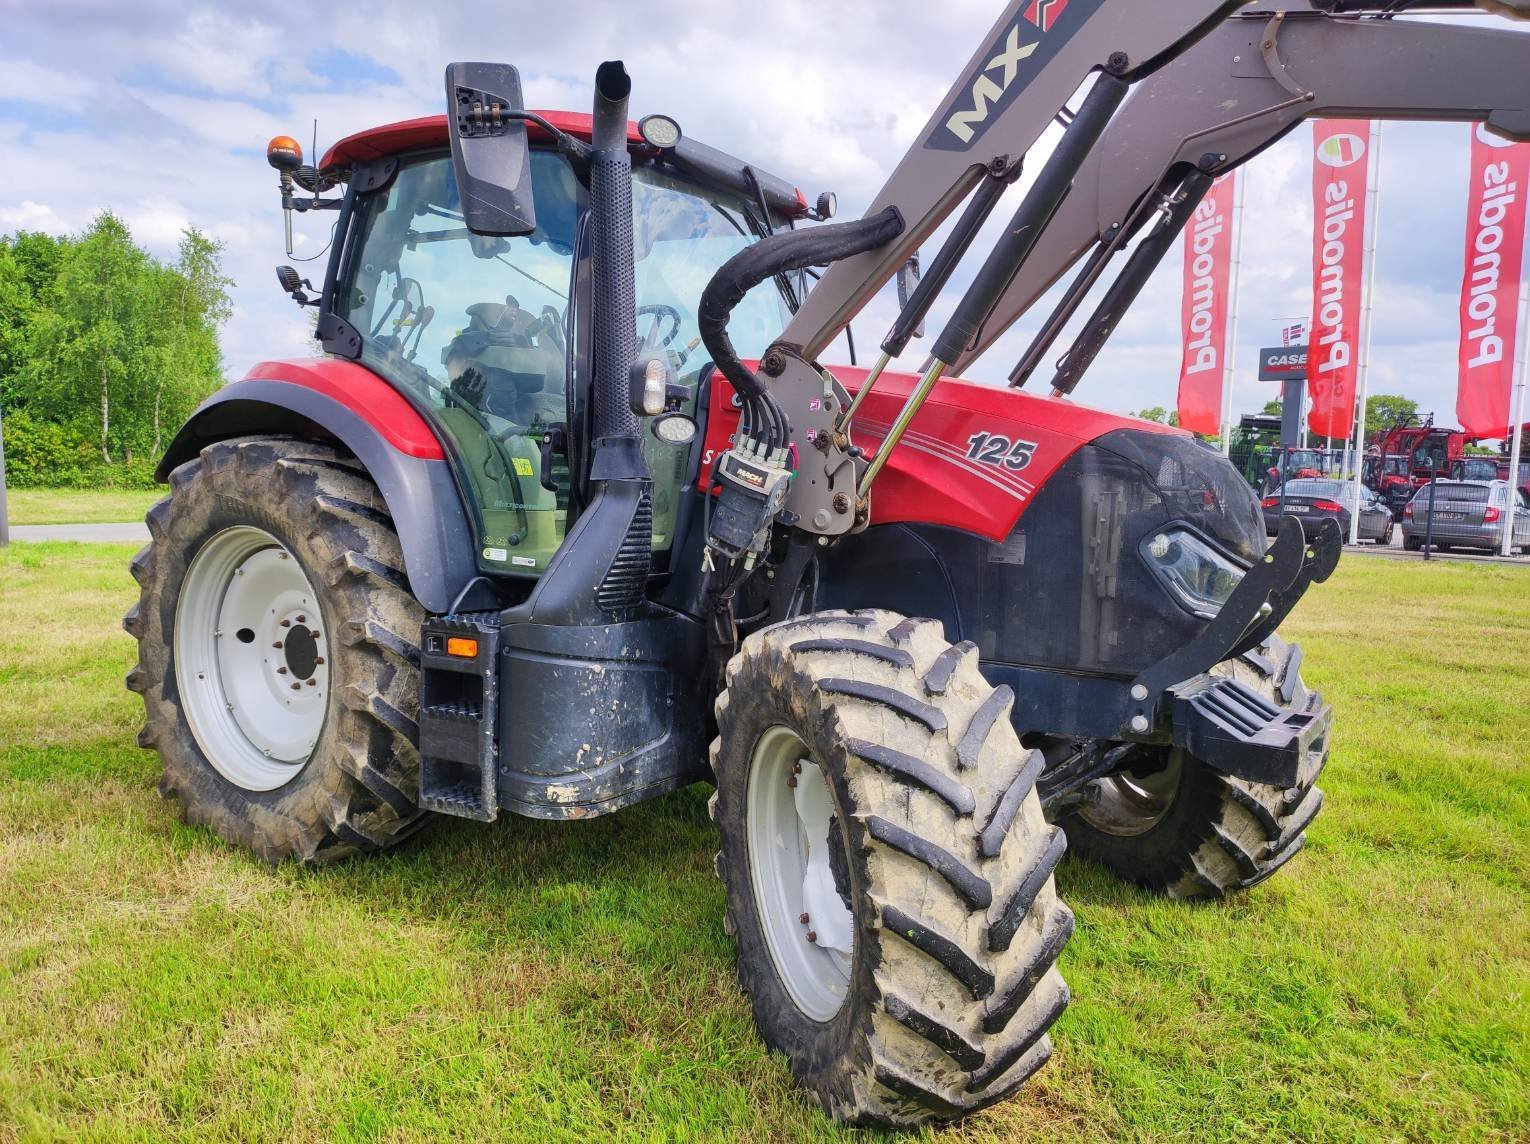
(1189, 831)
(277, 653)
(888, 869)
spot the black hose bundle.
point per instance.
(762, 417)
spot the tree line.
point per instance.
(104, 350)
(1382, 411)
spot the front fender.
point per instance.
(394, 443)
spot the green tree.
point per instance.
(1159, 414)
(15, 322)
(89, 340)
(1273, 408)
(115, 344)
(1383, 410)
(193, 303)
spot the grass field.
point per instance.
(79, 506)
(567, 981)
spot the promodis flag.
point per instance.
(1495, 245)
(1208, 265)
(1340, 170)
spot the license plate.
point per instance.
(1298, 508)
(1450, 516)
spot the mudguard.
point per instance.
(339, 399)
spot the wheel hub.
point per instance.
(1127, 805)
(251, 658)
(792, 833)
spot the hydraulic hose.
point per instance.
(779, 254)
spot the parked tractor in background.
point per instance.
(1406, 456)
(571, 515)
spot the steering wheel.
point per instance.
(661, 312)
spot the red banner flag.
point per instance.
(1204, 306)
(1495, 247)
(1340, 174)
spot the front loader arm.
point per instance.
(1032, 60)
(1230, 96)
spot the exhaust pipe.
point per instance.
(611, 210)
(600, 574)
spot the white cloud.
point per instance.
(28, 215)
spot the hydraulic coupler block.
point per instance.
(752, 492)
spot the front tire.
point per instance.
(1189, 831)
(277, 653)
(888, 869)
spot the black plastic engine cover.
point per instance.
(1068, 590)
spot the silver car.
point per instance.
(1468, 514)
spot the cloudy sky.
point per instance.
(160, 110)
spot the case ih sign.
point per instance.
(1282, 363)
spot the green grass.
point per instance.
(570, 981)
(80, 506)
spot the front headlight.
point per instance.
(1198, 576)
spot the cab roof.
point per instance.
(430, 131)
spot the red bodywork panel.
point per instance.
(973, 458)
(430, 131)
(364, 394)
(941, 473)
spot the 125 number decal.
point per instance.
(993, 449)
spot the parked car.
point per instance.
(1468, 514)
(1313, 497)
(1490, 469)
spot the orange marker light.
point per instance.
(284, 153)
(462, 646)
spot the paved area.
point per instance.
(136, 533)
(1395, 551)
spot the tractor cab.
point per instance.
(488, 336)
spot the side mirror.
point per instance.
(490, 155)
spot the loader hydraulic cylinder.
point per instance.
(1031, 218)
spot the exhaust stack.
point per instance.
(600, 575)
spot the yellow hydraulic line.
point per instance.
(901, 423)
(871, 379)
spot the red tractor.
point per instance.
(571, 516)
(1406, 457)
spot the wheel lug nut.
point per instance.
(286, 623)
(296, 686)
(791, 781)
(803, 918)
(313, 683)
(281, 671)
(318, 659)
(276, 643)
(796, 768)
(302, 619)
(811, 936)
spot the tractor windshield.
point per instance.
(475, 328)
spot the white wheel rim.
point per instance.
(788, 828)
(251, 658)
